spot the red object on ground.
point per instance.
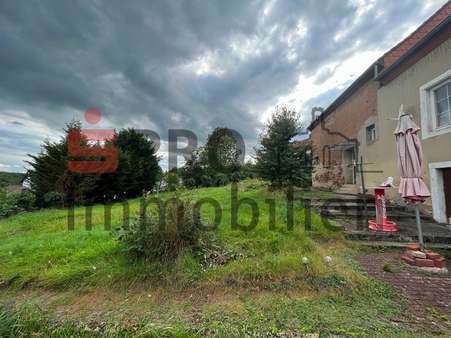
(409, 260)
(381, 223)
(432, 255)
(432, 260)
(424, 263)
(440, 262)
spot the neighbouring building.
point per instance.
(360, 123)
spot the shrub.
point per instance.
(207, 181)
(221, 179)
(26, 200)
(387, 267)
(236, 176)
(164, 235)
(54, 199)
(13, 203)
(172, 181)
(8, 207)
(189, 183)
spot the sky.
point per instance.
(193, 65)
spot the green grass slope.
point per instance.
(262, 288)
(38, 248)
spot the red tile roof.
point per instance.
(404, 46)
(390, 58)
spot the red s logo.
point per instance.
(104, 153)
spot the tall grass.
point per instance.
(38, 248)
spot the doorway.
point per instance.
(447, 191)
(440, 173)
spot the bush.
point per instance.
(26, 200)
(54, 199)
(236, 177)
(207, 181)
(13, 203)
(221, 179)
(164, 235)
(8, 207)
(189, 183)
(172, 181)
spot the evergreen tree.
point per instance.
(193, 171)
(49, 172)
(137, 171)
(279, 160)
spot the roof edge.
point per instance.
(366, 76)
(437, 12)
(414, 49)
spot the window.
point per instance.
(442, 97)
(370, 134)
(435, 99)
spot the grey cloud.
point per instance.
(131, 59)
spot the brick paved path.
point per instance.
(425, 293)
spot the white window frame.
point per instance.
(428, 107)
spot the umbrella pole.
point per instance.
(420, 232)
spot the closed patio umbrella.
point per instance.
(410, 163)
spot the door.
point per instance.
(447, 191)
(349, 166)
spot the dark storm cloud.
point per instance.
(181, 64)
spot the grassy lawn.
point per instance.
(64, 283)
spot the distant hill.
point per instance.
(7, 179)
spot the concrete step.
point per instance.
(357, 199)
(387, 244)
(395, 215)
(348, 189)
(366, 235)
(353, 206)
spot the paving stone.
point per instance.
(422, 291)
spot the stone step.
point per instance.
(366, 235)
(388, 244)
(355, 200)
(353, 206)
(372, 213)
(347, 188)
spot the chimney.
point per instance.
(315, 110)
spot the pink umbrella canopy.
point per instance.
(410, 161)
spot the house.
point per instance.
(360, 122)
(420, 79)
(334, 134)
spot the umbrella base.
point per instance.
(388, 226)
